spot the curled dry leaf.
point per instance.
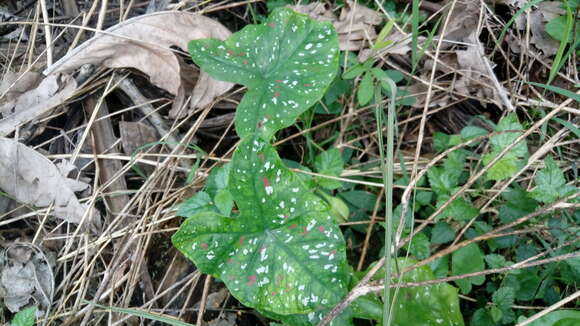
(355, 26)
(143, 43)
(30, 178)
(30, 97)
(25, 274)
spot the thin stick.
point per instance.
(47, 33)
(550, 308)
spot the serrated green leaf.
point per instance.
(468, 259)
(482, 317)
(504, 298)
(444, 179)
(495, 313)
(518, 204)
(287, 64)
(365, 89)
(550, 183)
(509, 164)
(504, 168)
(25, 317)
(360, 199)
(329, 163)
(495, 261)
(420, 246)
(524, 283)
(199, 202)
(509, 124)
(471, 132)
(574, 264)
(460, 209)
(283, 253)
(440, 141)
(442, 233)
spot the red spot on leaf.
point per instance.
(276, 94)
(261, 156)
(272, 24)
(241, 54)
(305, 232)
(266, 182)
(321, 229)
(279, 80)
(231, 261)
(285, 216)
(242, 240)
(263, 248)
(307, 85)
(293, 226)
(273, 293)
(204, 246)
(230, 52)
(332, 252)
(245, 62)
(251, 279)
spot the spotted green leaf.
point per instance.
(283, 253)
(287, 64)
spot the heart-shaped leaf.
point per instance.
(287, 63)
(283, 253)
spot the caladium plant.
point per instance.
(283, 253)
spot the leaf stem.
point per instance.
(387, 169)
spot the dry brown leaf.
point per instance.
(25, 277)
(136, 134)
(419, 91)
(143, 43)
(538, 19)
(475, 78)
(30, 178)
(463, 22)
(355, 26)
(28, 99)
